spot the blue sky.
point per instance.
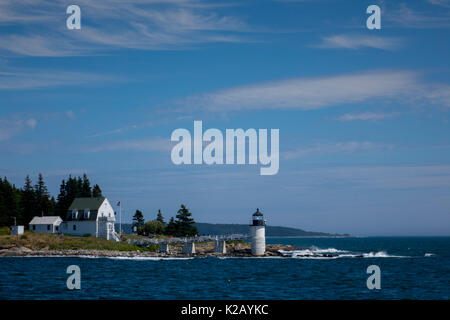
(363, 114)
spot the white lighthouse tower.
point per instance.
(258, 234)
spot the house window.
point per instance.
(57, 228)
(34, 227)
(48, 227)
(74, 214)
(74, 227)
(86, 213)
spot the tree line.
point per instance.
(182, 225)
(35, 200)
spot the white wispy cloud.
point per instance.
(309, 93)
(406, 17)
(320, 92)
(336, 148)
(347, 41)
(14, 125)
(14, 79)
(438, 94)
(444, 3)
(18, 123)
(366, 116)
(137, 24)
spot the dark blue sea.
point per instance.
(411, 268)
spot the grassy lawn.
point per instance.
(64, 242)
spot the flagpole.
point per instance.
(120, 217)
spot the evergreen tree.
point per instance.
(28, 202)
(171, 229)
(9, 198)
(185, 224)
(43, 204)
(160, 217)
(62, 200)
(96, 191)
(86, 187)
(78, 188)
(138, 220)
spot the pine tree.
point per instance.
(28, 201)
(96, 191)
(185, 224)
(62, 200)
(43, 204)
(171, 229)
(138, 220)
(9, 208)
(86, 187)
(160, 217)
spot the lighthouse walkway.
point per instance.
(209, 238)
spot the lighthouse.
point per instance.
(258, 234)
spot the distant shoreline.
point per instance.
(310, 237)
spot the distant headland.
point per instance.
(271, 231)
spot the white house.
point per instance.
(94, 216)
(46, 224)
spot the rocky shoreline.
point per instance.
(234, 250)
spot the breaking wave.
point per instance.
(332, 253)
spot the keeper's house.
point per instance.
(46, 224)
(94, 216)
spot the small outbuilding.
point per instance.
(46, 224)
(16, 230)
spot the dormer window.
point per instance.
(86, 213)
(74, 214)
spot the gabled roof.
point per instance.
(87, 203)
(45, 220)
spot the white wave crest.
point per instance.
(381, 254)
(332, 253)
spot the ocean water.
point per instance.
(411, 268)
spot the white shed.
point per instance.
(16, 230)
(46, 224)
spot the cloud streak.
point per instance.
(12, 126)
(354, 42)
(309, 93)
(136, 24)
(372, 87)
(364, 116)
(17, 79)
(406, 17)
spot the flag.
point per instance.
(118, 204)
